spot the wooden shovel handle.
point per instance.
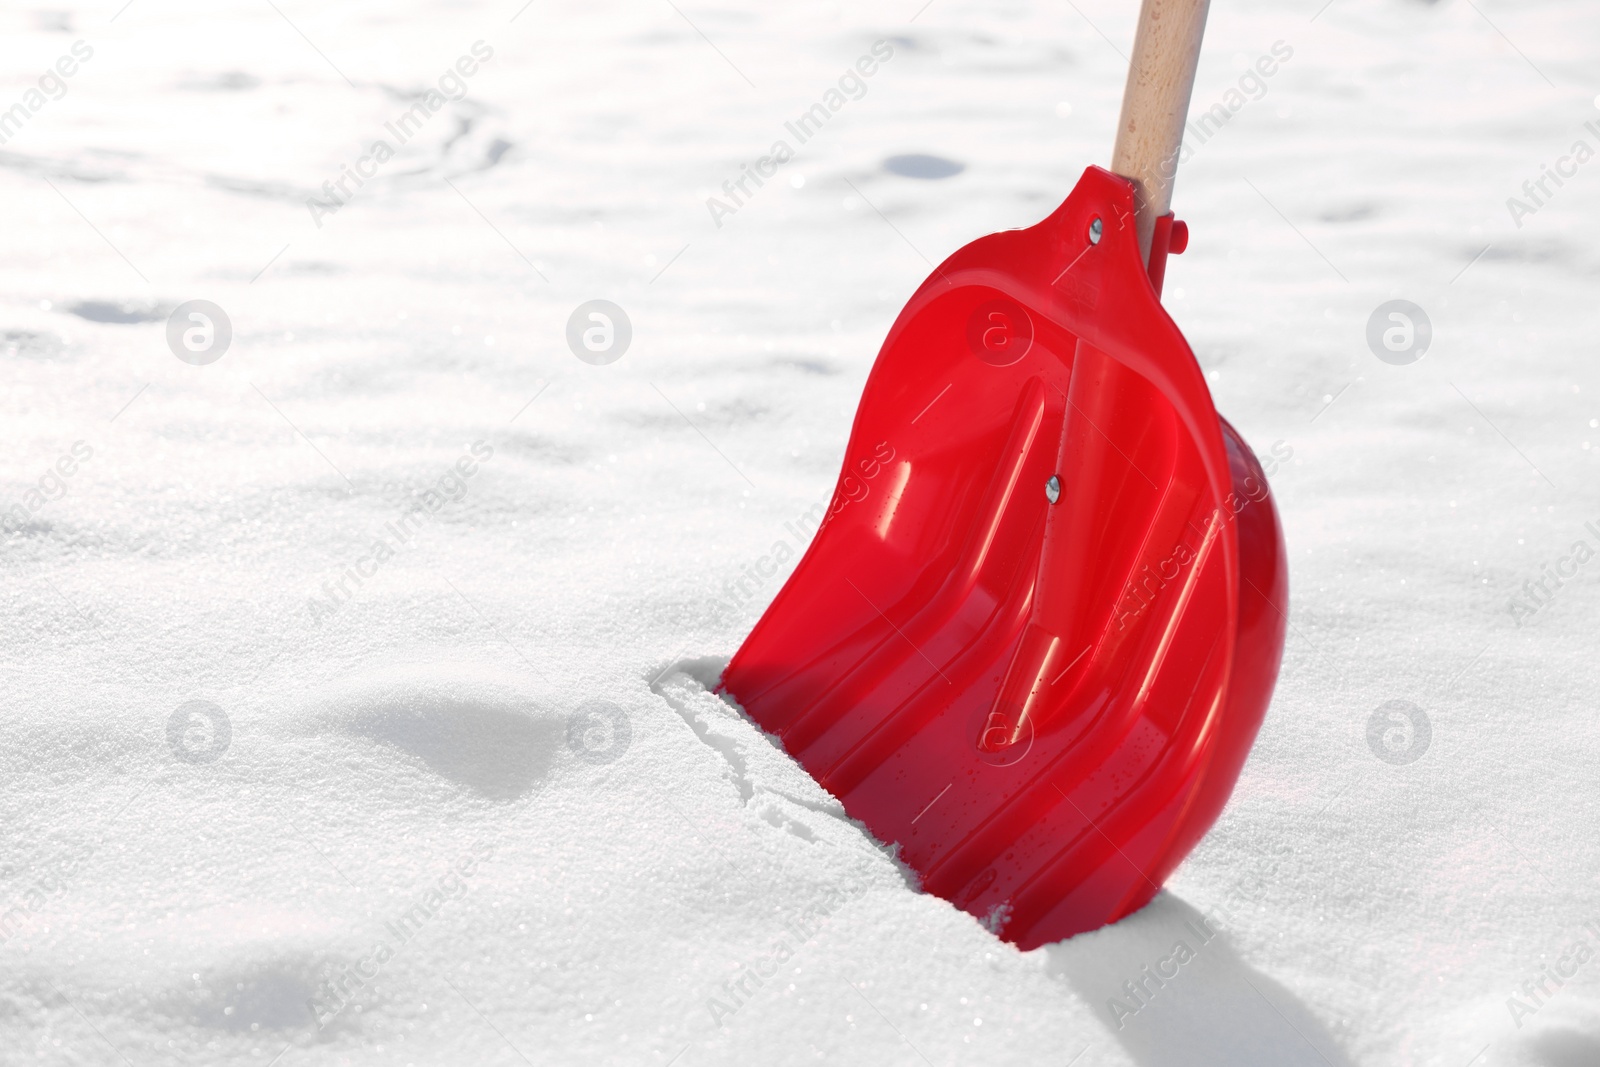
(1155, 105)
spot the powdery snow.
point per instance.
(478, 807)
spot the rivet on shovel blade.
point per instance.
(1096, 228)
(1052, 489)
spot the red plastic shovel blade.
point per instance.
(1039, 626)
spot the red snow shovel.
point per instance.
(1039, 625)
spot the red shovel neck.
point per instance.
(1101, 292)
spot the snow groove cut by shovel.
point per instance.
(768, 781)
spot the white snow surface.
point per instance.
(412, 752)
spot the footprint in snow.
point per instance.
(1561, 1031)
(1566, 1048)
(251, 996)
(479, 729)
(922, 166)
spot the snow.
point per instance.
(429, 769)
